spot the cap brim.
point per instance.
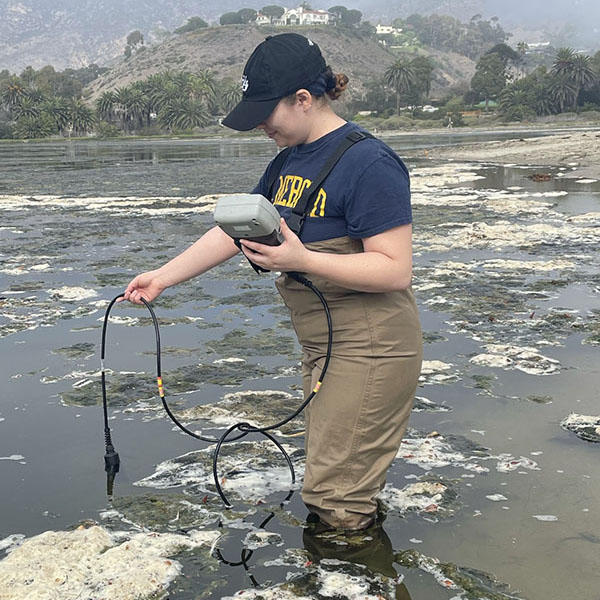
(247, 115)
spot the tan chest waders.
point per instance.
(355, 424)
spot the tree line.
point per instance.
(340, 15)
(570, 84)
(44, 103)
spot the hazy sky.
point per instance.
(534, 10)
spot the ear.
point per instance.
(304, 99)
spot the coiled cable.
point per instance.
(111, 458)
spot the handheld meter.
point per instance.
(250, 217)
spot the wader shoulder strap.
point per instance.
(296, 219)
(276, 167)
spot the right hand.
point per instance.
(147, 285)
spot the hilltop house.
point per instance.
(387, 29)
(297, 16)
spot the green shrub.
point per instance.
(105, 130)
(592, 115)
(589, 106)
(6, 131)
(396, 122)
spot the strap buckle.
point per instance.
(295, 222)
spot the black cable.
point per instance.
(111, 458)
(247, 428)
(246, 553)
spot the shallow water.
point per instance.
(506, 275)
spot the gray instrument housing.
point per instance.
(250, 217)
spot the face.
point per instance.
(287, 124)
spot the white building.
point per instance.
(303, 16)
(262, 19)
(386, 29)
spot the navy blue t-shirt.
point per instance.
(366, 193)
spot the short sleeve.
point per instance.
(379, 199)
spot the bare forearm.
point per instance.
(365, 271)
(213, 248)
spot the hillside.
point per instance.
(75, 33)
(225, 50)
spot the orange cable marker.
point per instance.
(317, 387)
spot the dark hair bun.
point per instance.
(341, 83)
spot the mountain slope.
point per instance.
(226, 49)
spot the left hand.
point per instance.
(291, 255)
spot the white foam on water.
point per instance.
(131, 205)
(586, 427)
(436, 372)
(15, 457)
(434, 452)
(547, 518)
(576, 420)
(253, 472)
(333, 584)
(229, 361)
(424, 496)
(434, 366)
(590, 217)
(261, 539)
(507, 463)
(503, 234)
(93, 563)
(525, 359)
(72, 294)
(496, 497)
(529, 265)
(11, 542)
(441, 176)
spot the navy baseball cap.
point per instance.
(277, 68)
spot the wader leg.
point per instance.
(354, 427)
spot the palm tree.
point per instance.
(11, 92)
(563, 62)
(576, 69)
(545, 103)
(136, 107)
(106, 106)
(183, 114)
(58, 110)
(582, 74)
(169, 92)
(514, 103)
(231, 94)
(522, 48)
(81, 117)
(563, 92)
(26, 107)
(40, 126)
(400, 76)
(122, 109)
(37, 95)
(202, 85)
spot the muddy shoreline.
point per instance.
(579, 151)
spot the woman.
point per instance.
(356, 247)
